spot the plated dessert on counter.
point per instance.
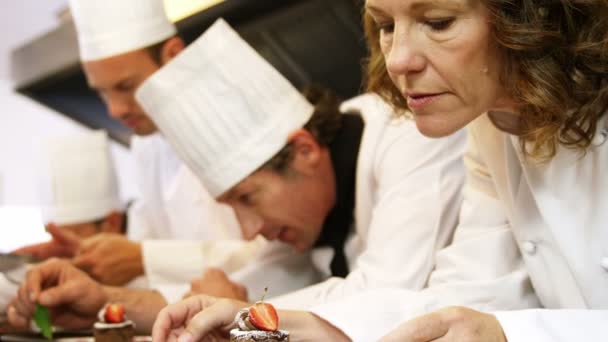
(113, 326)
(259, 322)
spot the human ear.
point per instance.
(171, 48)
(306, 151)
(113, 223)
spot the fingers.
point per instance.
(48, 274)
(24, 304)
(84, 261)
(195, 285)
(172, 320)
(89, 245)
(64, 236)
(213, 273)
(21, 311)
(242, 292)
(215, 318)
(16, 319)
(39, 251)
(29, 250)
(175, 316)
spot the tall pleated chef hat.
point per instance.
(78, 182)
(109, 28)
(225, 109)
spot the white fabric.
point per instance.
(554, 212)
(218, 99)
(554, 325)
(8, 291)
(78, 182)
(113, 27)
(407, 204)
(183, 231)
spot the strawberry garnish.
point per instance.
(115, 313)
(264, 316)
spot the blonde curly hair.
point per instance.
(556, 66)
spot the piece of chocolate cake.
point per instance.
(258, 323)
(113, 325)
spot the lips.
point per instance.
(420, 100)
(275, 234)
(284, 235)
(131, 123)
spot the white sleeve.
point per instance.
(139, 226)
(418, 182)
(180, 261)
(279, 268)
(172, 292)
(482, 268)
(171, 266)
(554, 325)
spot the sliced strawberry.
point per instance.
(264, 316)
(115, 313)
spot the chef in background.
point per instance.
(79, 199)
(79, 194)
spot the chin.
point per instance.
(143, 131)
(300, 247)
(434, 126)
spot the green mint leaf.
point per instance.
(42, 317)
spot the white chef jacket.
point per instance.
(556, 214)
(184, 230)
(408, 195)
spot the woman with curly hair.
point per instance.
(529, 79)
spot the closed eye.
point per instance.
(439, 24)
(386, 28)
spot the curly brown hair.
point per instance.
(555, 56)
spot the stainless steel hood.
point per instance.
(309, 41)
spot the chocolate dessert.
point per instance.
(113, 325)
(263, 329)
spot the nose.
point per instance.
(118, 107)
(404, 53)
(251, 223)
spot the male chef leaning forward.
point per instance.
(366, 191)
(175, 227)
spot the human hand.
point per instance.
(110, 258)
(449, 324)
(63, 245)
(196, 318)
(215, 282)
(72, 297)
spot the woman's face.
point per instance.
(441, 56)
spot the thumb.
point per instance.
(214, 319)
(64, 237)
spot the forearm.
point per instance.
(141, 306)
(304, 326)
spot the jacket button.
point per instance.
(604, 264)
(529, 247)
(600, 137)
